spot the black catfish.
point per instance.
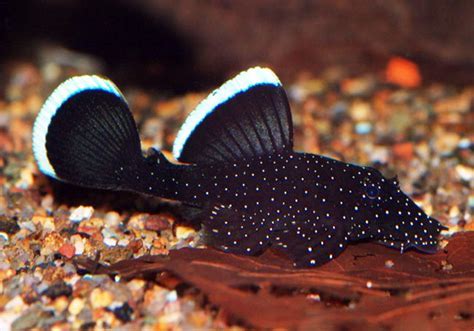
(237, 165)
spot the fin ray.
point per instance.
(246, 117)
(85, 132)
(310, 243)
(230, 230)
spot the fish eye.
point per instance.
(372, 192)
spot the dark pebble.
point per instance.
(87, 326)
(157, 223)
(8, 225)
(58, 289)
(124, 313)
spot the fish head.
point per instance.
(390, 216)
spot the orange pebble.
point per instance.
(403, 72)
(67, 250)
(403, 151)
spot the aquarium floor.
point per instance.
(61, 247)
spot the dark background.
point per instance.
(190, 45)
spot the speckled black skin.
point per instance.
(306, 205)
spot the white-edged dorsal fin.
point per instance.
(247, 116)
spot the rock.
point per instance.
(361, 86)
(31, 318)
(157, 223)
(465, 173)
(300, 91)
(100, 298)
(446, 142)
(111, 242)
(183, 232)
(389, 264)
(360, 111)
(28, 225)
(363, 128)
(58, 289)
(67, 250)
(81, 213)
(112, 219)
(51, 244)
(78, 243)
(8, 225)
(460, 103)
(402, 72)
(47, 202)
(76, 306)
(124, 312)
(61, 304)
(45, 222)
(403, 151)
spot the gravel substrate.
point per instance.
(425, 135)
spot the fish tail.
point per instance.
(85, 135)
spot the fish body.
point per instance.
(239, 168)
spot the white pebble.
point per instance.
(81, 213)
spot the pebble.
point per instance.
(76, 306)
(112, 219)
(100, 298)
(111, 242)
(379, 154)
(78, 243)
(402, 72)
(155, 300)
(28, 226)
(300, 91)
(47, 202)
(389, 264)
(3, 238)
(464, 172)
(465, 143)
(470, 202)
(446, 142)
(8, 225)
(7, 318)
(123, 242)
(360, 86)
(67, 250)
(26, 178)
(51, 244)
(422, 134)
(459, 103)
(183, 232)
(44, 222)
(157, 223)
(29, 319)
(81, 213)
(454, 214)
(446, 266)
(58, 289)
(61, 304)
(360, 111)
(363, 128)
(403, 151)
(124, 312)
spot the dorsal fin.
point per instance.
(246, 117)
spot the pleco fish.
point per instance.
(238, 166)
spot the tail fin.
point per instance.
(86, 135)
